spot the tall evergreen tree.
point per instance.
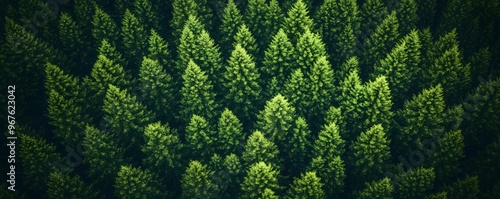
(260, 149)
(182, 9)
(62, 185)
(162, 149)
(329, 143)
(241, 77)
(336, 115)
(277, 64)
(449, 152)
(309, 49)
(232, 170)
(345, 70)
(377, 104)
(413, 51)
(272, 21)
(297, 21)
(372, 13)
(198, 96)
(260, 176)
(196, 181)
(147, 14)
(157, 89)
(73, 41)
(230, 135)
(109, 51)
(299, 146)
(406, 12)
(126, 117)
(349, 98)
(377, 189)
(84, 9)
(245, 38)
(159, 50)
(331, 171)
(232, 19)
(103, 27)
(307, 186)
(255, 16)
(129, 179)
(135, 37)
(321, 88)
(338, 23)
(415, 183)
(276, 120)
(296, 90)
(200, 138)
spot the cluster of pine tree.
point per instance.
(253, 98)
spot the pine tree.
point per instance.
(241, 77)
(378, 104)
(336, 115)
(299, 146)
(159, 50)
(320, 88)
(296, 90)
(413, 52)
(329, 143)
(380, 42)
(134, 37)
(37, 158)
(370, 154)
(181, 10)
(255, 19)
(147, 14)
(126, 117)
(230, 135)
(480, 64)
(233, 173)
(278, 62)
(260, 176)
(377, 189)
(103, 155)
(338, 23)
(309, 49)
(245, 38)
(307, 186)
(73, 40)
(372, 13)
(406, 12)
(467, 187)
(109, 51)
(200, 138)
(421, 117)
(103, 27)
(272, 22)
(415, 183)
(61, 82)
(331, 171)
(197, 94)
(196, 181)
(162, 148)
(157, 90)
(276, 120)
(297, 21)
(349, 98)
(232, 19)
(129, 179)
(268, 194)
(260, 149)
(449, 152)
(345, 70)
(64, 186)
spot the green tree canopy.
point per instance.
(260, 176)
(260, 149)
(307, 186)
(200, 138)
(134, 182)
(230, 135)
(196, 181)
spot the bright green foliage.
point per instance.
(157, 90)
(349, 98)
(467, 188)
(137, 183)
(335, 115)
(194, 23)
(378, 104)
(299, 146)
(230, 135)
(276, 120)
(329, 142)
(453, 117)
(263, 20)
(232, 19)
(413, 48)
(241, 78)
(338, 23)
(309, 49)
(185, 50)
(346, 68)
(134, 37)
(105, 72)
(109, 51)
(260, 176)
(449, 152)
(437, 48)
(372, 13)
(126, 117)
(103, 27)
(273, 19)
(440, 195)
(381, 41)
(278, 63)
(197, 94)
(72, 38)
(320, 88)
(159, 50)
(370, 154)
(307, 186)
(196, 181)
(415, 183)
(245, 38)
(162, 148)
(232, 174)
(406, 12)
(295, 90)
(297, 21)
(260, 149)
(268, 194)
(59, 81)
(37, 157)
(103, 155)
(381, 189)
(146, 14)
(200, 138)
(182, 10)
(421, 117)
(331, 171)
(63, 186)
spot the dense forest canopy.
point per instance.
(251, 98)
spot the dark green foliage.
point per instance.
(137, 183)
(103, 26)
(377, 104)
(232, 175)
(414, 183)
(159, 50)
(467, 188)
(320, 88)
(299, 146)
(260, 176)
(196, 181)
(406, 11)
(146, 14)
(345, 70)
(449, 152)
(276, 120)
(307, 186)
(296, 90)
(335, 115)
(73, 39)
(260, 149)
(297, 21)
(162, 148)
(135, 37)
(182, 10)
(381, 189)
(63, 186)
(426, 12)
(200, 138)
(440, 195)
(329, 143)
(230, 135)
(372, 13)
(232, 19)
(331, 171)
(109, 51)
(349, 98)
(245, 38)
